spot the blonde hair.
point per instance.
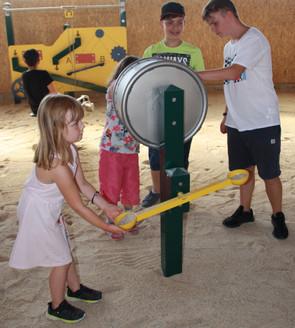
(51, 122)
(120, 67)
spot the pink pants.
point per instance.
(119, 177)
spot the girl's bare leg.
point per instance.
(57, 282)
(73, 280)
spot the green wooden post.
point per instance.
(174, 179)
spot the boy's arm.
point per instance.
(223, 128)
(51, 88)
(227, 73)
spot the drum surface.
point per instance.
(138, 99)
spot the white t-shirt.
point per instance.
(251, 99)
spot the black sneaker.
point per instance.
(151, 199)
(238, 218)
(65, 312)
(280, 229)
(84, 294)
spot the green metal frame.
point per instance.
(123, 14)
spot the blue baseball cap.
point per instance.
(172, 8)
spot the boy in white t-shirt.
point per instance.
(251, 118)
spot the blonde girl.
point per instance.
(42, 239)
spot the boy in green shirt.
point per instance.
(172, 47)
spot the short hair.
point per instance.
(214, 6)
(51, 123)
(31, 57)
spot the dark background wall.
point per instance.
(275, 18)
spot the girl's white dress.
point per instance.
(42, 238)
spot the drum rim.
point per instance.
(155, 62)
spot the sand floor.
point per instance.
(232, 278)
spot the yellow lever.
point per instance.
(127, 220)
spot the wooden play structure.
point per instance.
(80, 59)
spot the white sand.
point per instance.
(232, 278)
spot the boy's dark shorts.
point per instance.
(154, 156)
(260, 147)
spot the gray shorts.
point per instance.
(260, 147)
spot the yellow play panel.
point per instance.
(81, 59)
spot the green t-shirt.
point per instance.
(186, 54)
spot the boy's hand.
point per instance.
(223, 128)
(112, 211)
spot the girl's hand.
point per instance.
(115, 229)
(112, 211)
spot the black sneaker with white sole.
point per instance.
(65, 312)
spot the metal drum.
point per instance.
(138, 98)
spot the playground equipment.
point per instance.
(164, 103)
(80, 59)
(127, 220)
(86, 103)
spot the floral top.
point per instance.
(115, 136)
